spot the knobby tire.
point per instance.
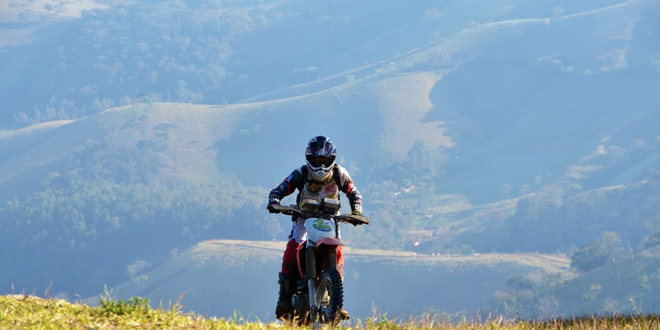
(329, 298)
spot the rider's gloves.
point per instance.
(272, 201)
(357, 209)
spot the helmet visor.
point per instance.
(318, 161)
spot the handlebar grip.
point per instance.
(354, 219)
(285, 209)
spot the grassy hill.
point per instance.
(28, 311)
(499, 114)
(631, 284)
(468, 127)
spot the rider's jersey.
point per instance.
(338, 180)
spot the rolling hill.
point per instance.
(626, 285)
(471, 127)
(219, 277)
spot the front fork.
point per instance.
(310, 256)
(331, 262)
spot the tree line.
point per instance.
(79, 232)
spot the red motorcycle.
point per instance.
(318, 298)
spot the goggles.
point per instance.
(320, 161)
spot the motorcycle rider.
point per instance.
(319, 178)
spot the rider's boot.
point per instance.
(283, 309)
(343, 314)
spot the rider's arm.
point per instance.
(347, 186)
(288, 186)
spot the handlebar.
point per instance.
(353, 219)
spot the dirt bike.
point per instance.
(318, 298)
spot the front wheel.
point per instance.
(329, 298)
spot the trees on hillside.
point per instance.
(79, 232)
(551, 222)
(597, 253)
(171, 51)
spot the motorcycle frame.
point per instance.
(310, 266)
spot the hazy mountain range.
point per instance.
(130, 131)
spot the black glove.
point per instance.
(271, 202)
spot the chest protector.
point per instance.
(318, 190)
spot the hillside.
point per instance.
(631, 284)
(500, 117)
(132, 130)
(212, 271)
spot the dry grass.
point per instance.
(430, 322)
(29, 312)
(403, 102)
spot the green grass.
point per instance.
(30, 312)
